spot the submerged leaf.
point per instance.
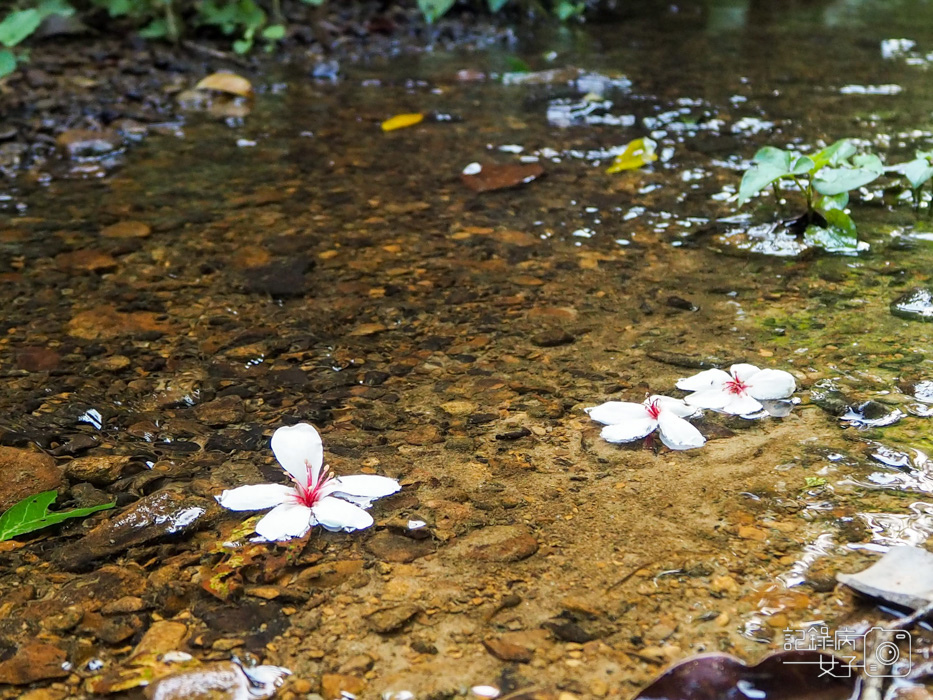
(230, 83)
(32, 513)
(636, 154)
(485, 178)
(797, 675)
(837, 236)
(401, 121)
(903, 576)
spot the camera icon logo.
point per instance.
(884, 649)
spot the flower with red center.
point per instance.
(626, 421)
(317, 496)
(739, 391)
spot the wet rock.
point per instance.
(63, 621)
(161, 637)
(34, 662)
(331, 574)
(830, 399)
(162, 514)
(279, 279)
(111, 630)
(24, 473)
(126, 604)
(552, 338)
(126, 229)
(676, 302)
(375, 377)
(82, 143)
(221, 412)
(92, 591)
(37, 359)
(221, 680)
(85, 261)
(514, 434)
(397, 548)
(357, 665)
(388, 620)
(872, 414)
(105, 322)
(424, 435)
(507, 651)
(490, 176)
(497, 543)
(335, 685)
(915, 305)
(100, 471)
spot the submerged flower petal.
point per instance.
(741, 405)
(704, 380)
(300, 452)
(335, 515)
(613, 412)
(771, 384)
(363, 489)
(256, 497)
(629, 430)
(678, 434)
(284, 522)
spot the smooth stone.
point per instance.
(496, 543)
(398, 549)
(915, 305)
(33, 662)
(388, 620)
(100, 470)
(24, 473)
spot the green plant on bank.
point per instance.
(32, 513)
(244, 20)
(825, 178)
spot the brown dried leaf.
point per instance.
(490, 177)
(230, 83)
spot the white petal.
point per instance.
(675, 406)
(300, 451)
(741, 405)
(336, 515)
(629, 430)
(771, 384)
(285, 521)
(709, 398)
(613, 412)
(677, 433)
(742, 371)
(363, 489)
(704, 380)
(256, 497)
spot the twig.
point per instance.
(214, 53)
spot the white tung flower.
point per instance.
(317, 497)
(739, 391)
(626, 421)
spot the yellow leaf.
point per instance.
(400, 121)
(231, 83)
(636, 154)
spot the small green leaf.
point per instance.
(242, 46)
(156, 29)
(918, 171)
(756, 178)
(496, 5)
(119, 8)
(55, 7)
(838, 236)
(827, 203)
(564, 9)
(316, 3)
(273, 32)
(811, 481)
(433, 10)
(864, 169)
(835, 154)
(7, 62)
(32, 513)
(16, 26)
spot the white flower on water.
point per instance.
(318, 497)
(626, 421)
(739, 391)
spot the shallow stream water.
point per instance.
(295, 263)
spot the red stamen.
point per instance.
(736, 386)
(311, 494)
(653, 409)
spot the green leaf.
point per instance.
(119, 8)
(835, 154)
(864, 169)
(433, 10)
(16, 26)
(564, 9)
(838, 236)
(827, 203)
(242, 46)
(496, 5)
(918, 171)
(32, 513)
(273, 32)
(55, 7)
(316, 3)
(7, 62)
(757, 178)
(156, 29)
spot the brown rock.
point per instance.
(126, 229)
(387, 620)
(552, 338)
(507, 651)
(221, 412)
(37, 359)
(330, 574)
(78, 143)
(85, 261)
(357, 665)
(91, 591)
(499, 543)
(424, 435)
(63, 621)
(24, 473)
(34, 662)
(333, 685)
(747, 532)
(161, 637)
(398, 548)
(100, 471)
(104, 322)
(126, 604)
(111, 630)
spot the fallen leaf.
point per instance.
(903, 576)
(490, 177)
(636, 154)
(401, 121)
(787, 675)
(230, 83)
